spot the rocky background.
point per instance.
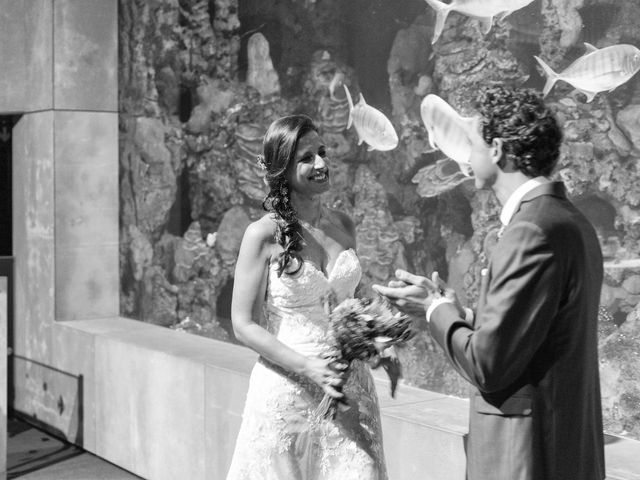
(200, 81)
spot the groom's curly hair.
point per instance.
(279, 149)
(528, 128)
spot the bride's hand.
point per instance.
(329, 377)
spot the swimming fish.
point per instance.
(597, 70)
(483, 10)
(448, 131)
(372, 126)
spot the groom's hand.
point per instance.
(410, 293)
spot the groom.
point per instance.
(530, 349)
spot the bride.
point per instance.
(291, 262)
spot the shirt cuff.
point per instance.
(468, 315)
(435, 304)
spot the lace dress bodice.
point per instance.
(281, 436)
(296, 307)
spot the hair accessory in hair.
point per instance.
(261, 162)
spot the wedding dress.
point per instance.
(280, 437)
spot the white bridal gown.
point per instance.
(280, 438)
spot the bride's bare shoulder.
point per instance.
(261, 230)
(260, 235)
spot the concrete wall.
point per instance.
(60, 59)
(166, 405)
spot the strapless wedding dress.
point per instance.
(280, 437)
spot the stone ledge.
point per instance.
(423, 431)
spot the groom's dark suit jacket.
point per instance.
(532, 350)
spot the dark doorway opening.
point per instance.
(6, 218)
(6, 234)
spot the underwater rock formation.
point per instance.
(628, 119)
(261, 75)
(620, 377)
(597, 160)
(151, 181)
(232, 227)
(438, 178)
(323, 89)
(213, 98)
(563, 18)
(466, 61)
(379, 243)
(410, 70)
(246, 148)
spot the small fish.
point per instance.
(372, 126)
(483, 10)
(597, 70)
(448, 131)
(336, 81)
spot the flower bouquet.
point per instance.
(360, 329)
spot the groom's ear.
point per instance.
(496, 150)
(496, 153)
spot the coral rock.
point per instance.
(261, 75)
(620, 378)
(159, 299)
(189, 254)
(230, 233)
(213, 97)
(628, 120)
(438, 178)
(248, 146)
(407, 67)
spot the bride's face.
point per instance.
(309, 172)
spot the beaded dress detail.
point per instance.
(280, 437)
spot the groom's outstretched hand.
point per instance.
(410, 293)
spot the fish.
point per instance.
(482, 10)
(372, 126)
(598, 70)
(448, 131)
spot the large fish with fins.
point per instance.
(448, 131)
(482, 10)
(372, 126)
(598, 70)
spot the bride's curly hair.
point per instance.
(279, 148)
(529, 130)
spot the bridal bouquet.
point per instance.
(361, 328)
